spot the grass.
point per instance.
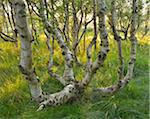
(129, 103)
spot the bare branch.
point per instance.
(50, 64)
(68, 72)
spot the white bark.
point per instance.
(68, 72)
(92, 67)
(73, 88)
(122, 83)
(50, 64)
(26, 52)
(118, 40)
(61, 97)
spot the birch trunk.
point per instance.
(118, 40)
(26, 51)
(122, 83)
(73, 88)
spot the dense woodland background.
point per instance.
(81, 25)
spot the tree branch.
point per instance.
(122, 83)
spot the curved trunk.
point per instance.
(122, 83)
(72, 87)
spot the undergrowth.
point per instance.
(129, 103)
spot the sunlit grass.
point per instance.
(10, 87)
(130, 103)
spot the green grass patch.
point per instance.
(129, 103)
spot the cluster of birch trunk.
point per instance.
(69, 28)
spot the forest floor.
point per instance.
(132, 102)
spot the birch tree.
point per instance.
(73, 88)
